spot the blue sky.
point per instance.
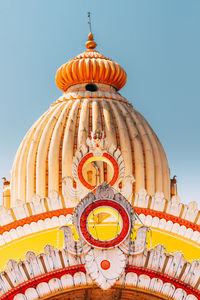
(156, 41)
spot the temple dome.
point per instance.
(46, 153)
(90, 66)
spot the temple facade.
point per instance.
(90, 210)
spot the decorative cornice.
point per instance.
(36, 218)
(167, 217)
(149, 217)
(165, 279)
(172, 207)
(153, 270)
(33, 283)
(155, 211)
(80, 95)
(21, 288)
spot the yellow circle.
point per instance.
(104, 223)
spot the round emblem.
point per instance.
(104, 223)
(88, 158)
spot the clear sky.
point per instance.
(156, 41)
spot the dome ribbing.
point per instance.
(45, 155)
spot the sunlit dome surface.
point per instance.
(90, 103)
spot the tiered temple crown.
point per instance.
(90, 67)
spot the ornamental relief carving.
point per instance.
(93, 164)
(101, 234)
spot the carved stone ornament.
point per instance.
(96, 150)
(104, 224)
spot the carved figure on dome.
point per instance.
(5, 181)
(94, 164)
(97, 143)
(174, 186)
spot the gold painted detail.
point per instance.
(104, 223)
(90, 44)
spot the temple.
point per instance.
(90, 210)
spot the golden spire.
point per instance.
(90, 44)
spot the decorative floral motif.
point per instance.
(105, 278)
(100, 255)
(97, 143)
(96, 150)
(104, 191)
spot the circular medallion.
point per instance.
(104, 223)
(88, 158)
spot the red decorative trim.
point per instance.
(98, 243)
(80, 171)
(83, 161)
(80, 268)
(21, 288)
(35, 218)
(65, 211)
(167, 217)
(165, 278)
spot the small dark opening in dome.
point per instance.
(91, 87)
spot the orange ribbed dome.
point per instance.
(90, 67)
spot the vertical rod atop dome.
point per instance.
(89, 21)
(90, 44)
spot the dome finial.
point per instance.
(90, 44)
